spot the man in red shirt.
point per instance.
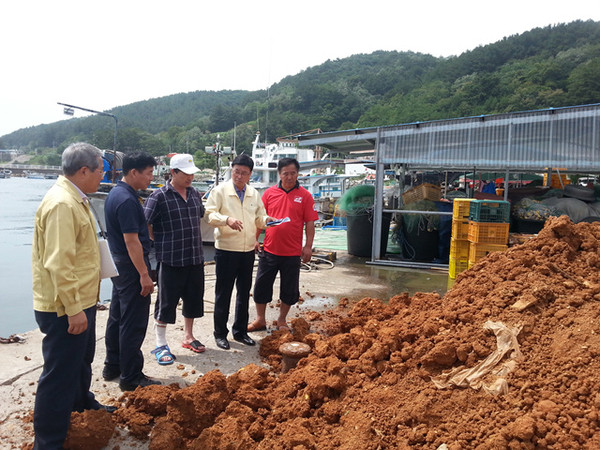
(283, 249)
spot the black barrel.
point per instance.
(359, 233)
(420, 244)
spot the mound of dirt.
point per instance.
(369, 380)
(90, 429)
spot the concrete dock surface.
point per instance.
(320, 288)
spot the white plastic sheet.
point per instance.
(489, 374)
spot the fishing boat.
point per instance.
(331, 185)
(203, 186)
(34, 175)
(266, 156)
(326, 178)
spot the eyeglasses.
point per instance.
(96, 170)
(242, 173)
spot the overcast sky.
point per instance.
(109, 53)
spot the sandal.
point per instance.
(256, 327)
(162, 353)
(196, 346)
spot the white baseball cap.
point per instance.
(184, 162)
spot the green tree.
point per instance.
(205, 160)
(52, 159)
(584, 82)
(222, 118)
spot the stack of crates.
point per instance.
(488, 228)
(459, 243)
(557, 180)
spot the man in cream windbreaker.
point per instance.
(236, 210)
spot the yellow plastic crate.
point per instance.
(461, 208)
(456, 266)
(478, 251)
(488, 232)
(555, 179)
(459, 248)
(555, 182)
(460, 229)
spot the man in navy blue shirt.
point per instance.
(174, 213)
(129, 243)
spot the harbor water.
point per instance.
(19, 200)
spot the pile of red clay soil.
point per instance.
(368, 382)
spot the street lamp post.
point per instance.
(218, 150)
(69, 111)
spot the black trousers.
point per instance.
(232, 268)
(64, 384)
(174, 283)
(127, 323)
(289, 271)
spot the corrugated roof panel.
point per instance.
(565, 138)
(529, 141)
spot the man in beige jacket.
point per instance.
(237, 212)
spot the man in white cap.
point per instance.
(173, 213)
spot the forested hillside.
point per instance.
(545, 67)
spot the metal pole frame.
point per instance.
(102, 113)
(378, 204)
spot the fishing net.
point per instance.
(530, 209)
(422, 222)
(358, 200)
(558, 193)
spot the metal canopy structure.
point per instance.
(531, 141)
